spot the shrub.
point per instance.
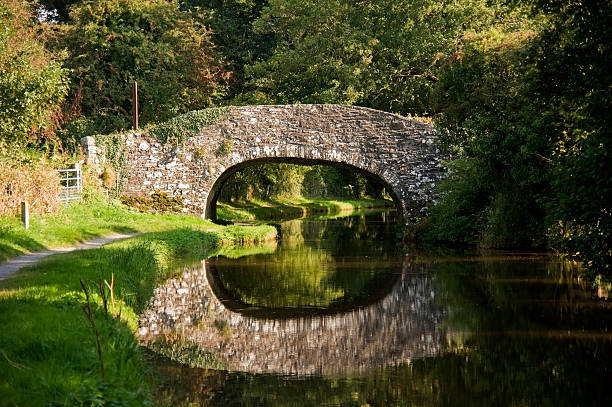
(158, 202)
(36, 183)
(108, 178)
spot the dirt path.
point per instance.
(11, 266)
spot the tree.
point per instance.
(499, 180)
(319, 56)
(382, 54)
(527, 114)
(32, 86)
(231, 23)
(112, 43)
(573, 76)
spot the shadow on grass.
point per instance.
(19, 244)
(49, 355)
(123, 229)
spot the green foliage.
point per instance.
(113, 149)
(264, 181)
(32, 86)
(180, 128)
(498, 183)
(457, 217)
(231, 23)
(574, 80)
(224, 149)
(282, 181)
(159, 202)
(318, 55)
(381, 54)
(112, 43)
(528, 114)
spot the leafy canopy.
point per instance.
(115, 42)
(31, 83)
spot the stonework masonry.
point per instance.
(398, 151)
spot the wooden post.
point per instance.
(25, 214)
(135, 105)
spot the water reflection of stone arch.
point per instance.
(403, 326)
(398, 151)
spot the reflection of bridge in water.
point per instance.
(402, 326)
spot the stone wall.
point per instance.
(398, 151)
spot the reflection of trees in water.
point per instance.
(286, 279)
(316, 265)
(519, 296)
(363, 234)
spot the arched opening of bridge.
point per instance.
(275, 179)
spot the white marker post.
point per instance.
(25, 214)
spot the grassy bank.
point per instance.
(48, 351)
(87, 220)
(292, 208)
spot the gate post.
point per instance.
(25, 215)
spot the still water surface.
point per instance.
(336, 313)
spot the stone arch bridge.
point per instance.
(395, 150)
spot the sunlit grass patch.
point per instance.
(292, 208)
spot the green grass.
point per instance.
(255, 210)
(47, 346)
(87, 220)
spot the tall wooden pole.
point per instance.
(135, 105)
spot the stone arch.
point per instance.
(399, 151)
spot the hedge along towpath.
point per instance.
(13, 265)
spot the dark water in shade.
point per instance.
(336, 314)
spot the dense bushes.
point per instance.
(111, 43)
(32, 82)
(499, 178)
(36, 183)
(527, 116)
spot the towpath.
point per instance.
(11, 266)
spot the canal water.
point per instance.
(336, 313)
